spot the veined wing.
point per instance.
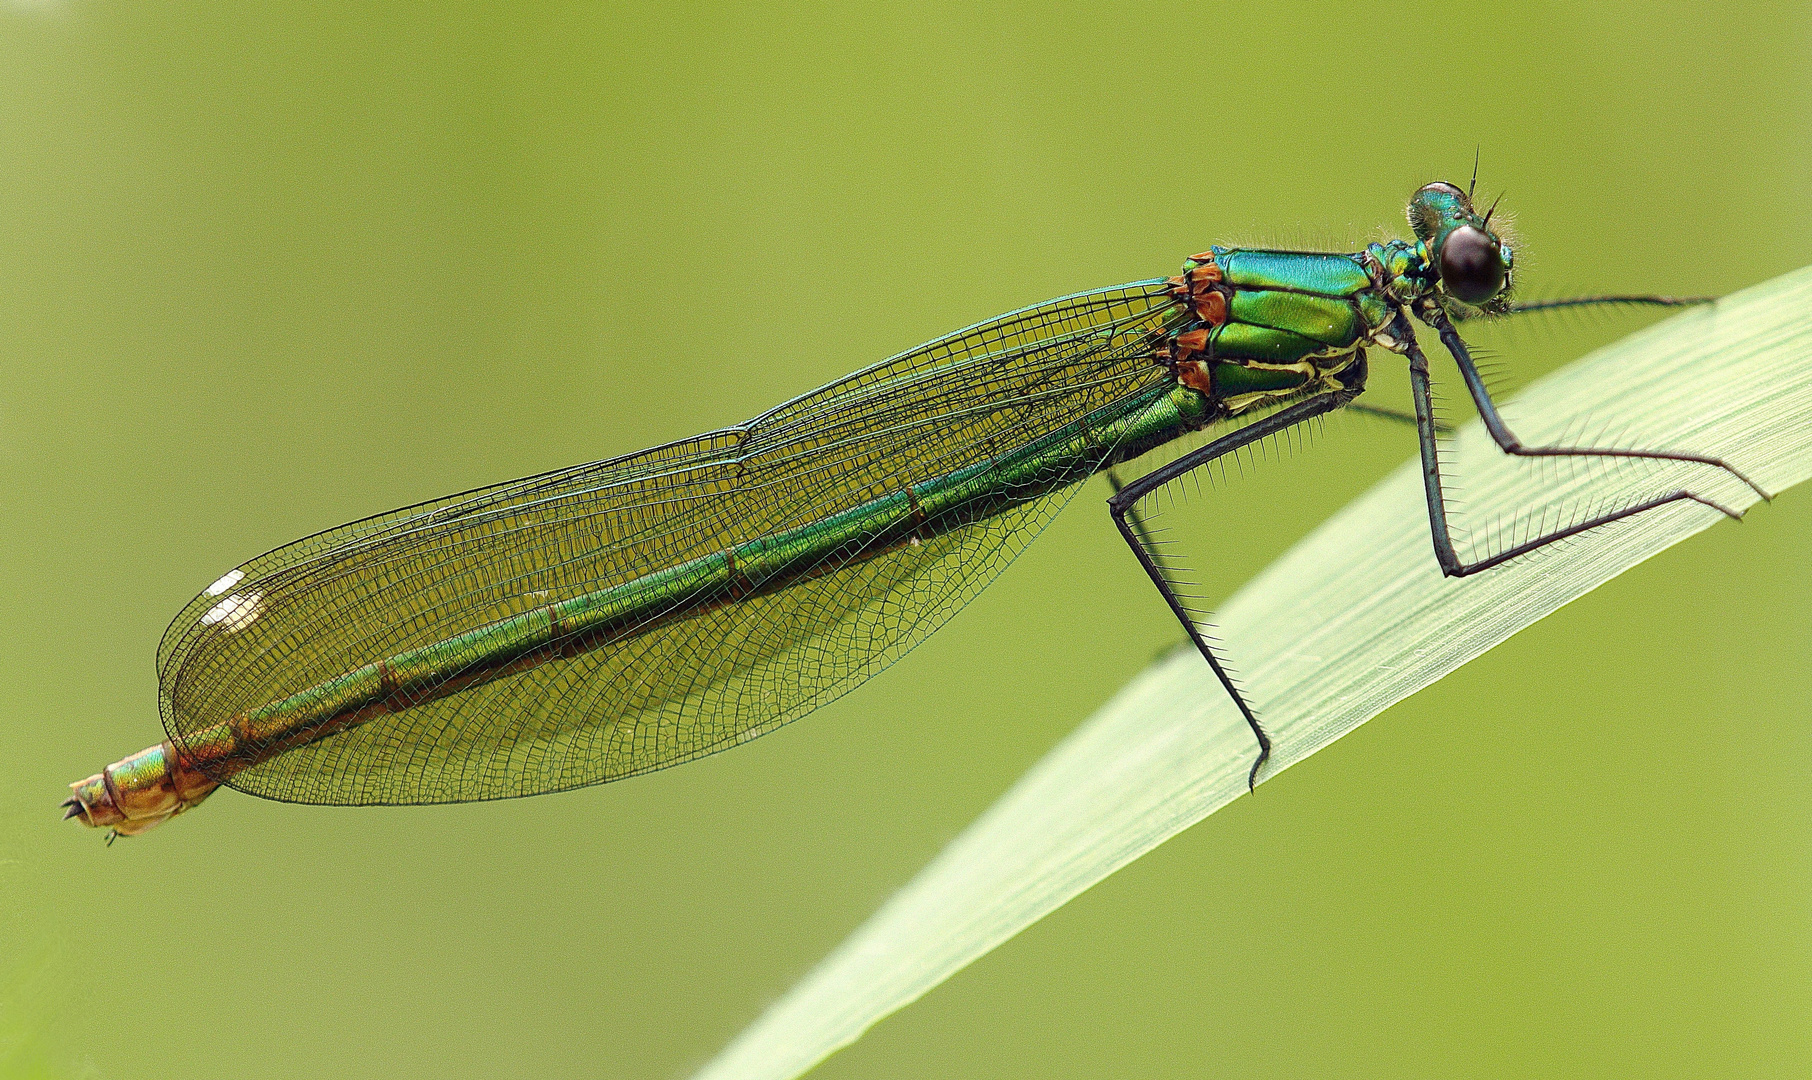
(346, 540)
(714, 669)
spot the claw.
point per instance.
(1252, 777)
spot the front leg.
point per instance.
(1121, 506)
(1432, 314)
(1451, 564)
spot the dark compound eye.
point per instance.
(1472, 268)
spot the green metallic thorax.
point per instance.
(1294, 321)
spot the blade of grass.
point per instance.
(1350, 621)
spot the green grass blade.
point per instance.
(1351, 620)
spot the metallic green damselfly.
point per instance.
(622, 616)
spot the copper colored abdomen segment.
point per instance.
(138, 792)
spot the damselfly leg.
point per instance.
(1451, 564)
(1132, 528)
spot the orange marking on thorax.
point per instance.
(1196, 290)
(1189, 343)
(1194, 374)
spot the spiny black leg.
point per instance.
(1510, 444)
(1517, 307)
(1520, 307)
(1143, 532)
(1138, 519)
(1122, 504)
(1451, 564)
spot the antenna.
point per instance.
(1493, 210)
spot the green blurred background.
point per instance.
(269, 267)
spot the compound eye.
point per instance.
(1472, 268)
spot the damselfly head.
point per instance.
(1473, 262)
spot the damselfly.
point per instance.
(622, 616)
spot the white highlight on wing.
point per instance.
(225, 582)
(235, 612)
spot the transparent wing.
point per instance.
(724, 669)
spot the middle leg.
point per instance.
(1132, 530)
